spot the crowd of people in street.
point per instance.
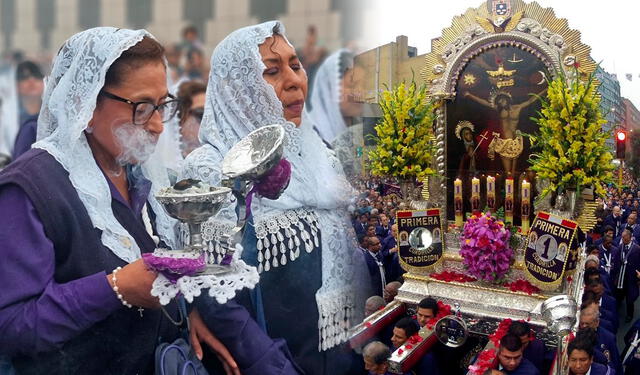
(607, 338)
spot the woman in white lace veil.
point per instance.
(325, 99)
(69, 101)
(308, 219)
(335, 111)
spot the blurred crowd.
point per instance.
(373, 218)
(628, 180)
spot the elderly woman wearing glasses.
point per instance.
(78, 210)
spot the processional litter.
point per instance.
(498, 234)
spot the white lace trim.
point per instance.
(342, 295)
(337, 315)
(280, 237)
(221, 287)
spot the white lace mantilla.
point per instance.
(222, 287)
(68, 104)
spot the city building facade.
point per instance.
(631, 118)
(631, 122)
(386, 66)
(611, 104)
(39, 27)
(390, 64)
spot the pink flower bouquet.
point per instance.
(484, 247)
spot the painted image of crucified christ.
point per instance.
(508, 143)
(496, 91)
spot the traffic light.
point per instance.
(621, 140)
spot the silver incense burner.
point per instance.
(193, 203)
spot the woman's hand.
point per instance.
(200, 333)
(134, 283)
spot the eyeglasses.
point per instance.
(142, 111)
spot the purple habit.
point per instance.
(36, 313)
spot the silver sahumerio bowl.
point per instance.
(193, 207)
(559, 312)
(255, 154)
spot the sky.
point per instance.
(610, 28)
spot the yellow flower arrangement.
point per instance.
(404, 138)
(570, 146)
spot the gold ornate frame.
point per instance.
(530, 27)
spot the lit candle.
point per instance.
(491, 193)
(475, 195)
(525, 205)
(508, 201)
(457, 197)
